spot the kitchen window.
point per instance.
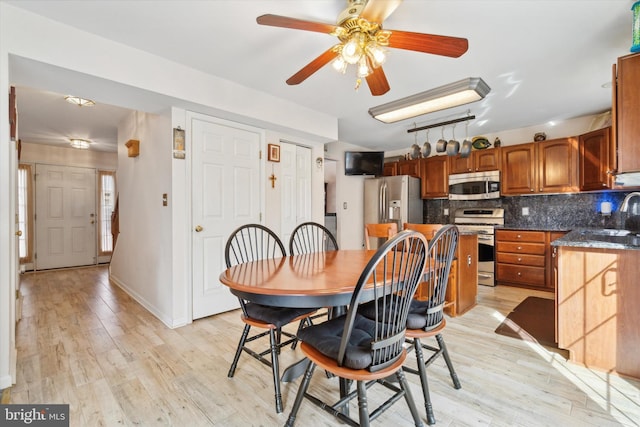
(25, 214)
(107, 197)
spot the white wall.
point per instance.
(142, 259)
(349, 199)
(110, 72)
(47, 154)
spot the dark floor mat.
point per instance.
(532, 320)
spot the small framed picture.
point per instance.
(273, 153)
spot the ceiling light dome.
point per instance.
(82, 144)
(80, 102)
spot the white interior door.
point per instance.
(225, 195)
(295, 169)
(65, 216)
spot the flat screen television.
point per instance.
(363, 162)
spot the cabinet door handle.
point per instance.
(519, 274)
(468, 259)
(519, 248)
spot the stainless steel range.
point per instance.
(483, 222)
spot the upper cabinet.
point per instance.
(626, 102)
(540, 167)
(558, 166)
(595, 160)
(434, 174)
(409, 167)
(518, 169)
(478, 161)
(390, 169)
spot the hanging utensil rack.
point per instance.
(435, 125)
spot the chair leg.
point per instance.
(363, 406)
(275, 349)
(417, 345)
(304, 385)
(402, 379)
(241, 343)
(447, 359)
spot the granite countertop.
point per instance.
(599, 238)
(532, 228)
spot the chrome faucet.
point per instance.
(625, 203)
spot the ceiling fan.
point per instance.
(363, 42)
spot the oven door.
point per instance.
(486, 259)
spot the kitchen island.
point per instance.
(598, 299)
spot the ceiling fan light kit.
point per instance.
(364, 43)
(451, 95)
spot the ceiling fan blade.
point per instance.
(312, 67)
(379, 10)
(377, 81)
(296, 24)
(428, 43)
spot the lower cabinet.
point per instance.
(597, 308)
(462, 287)
(524, 258)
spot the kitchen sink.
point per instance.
(607, 232)
(614, 236)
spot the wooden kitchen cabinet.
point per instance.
(558, 165)
(390, 169)
(626, 100)
(518, 169)
(478, 161)
(523, 259)
(540, 167)
(462, 291)
(434, 177)
(595, 167)
(409, 167)
(597, 308)
(462, 287)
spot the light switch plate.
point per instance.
(525, 211)
(446, 211)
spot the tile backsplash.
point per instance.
(549, 212)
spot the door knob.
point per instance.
(199, 228)
(93, 222)
(19, 233)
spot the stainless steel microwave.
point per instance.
(474, 186)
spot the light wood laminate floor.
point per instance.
(85, 342)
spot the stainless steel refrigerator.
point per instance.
(392, 199)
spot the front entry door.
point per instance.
(65, 216)
(225, 195)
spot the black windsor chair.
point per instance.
(356, 348)
(254, 242)
(426, 318)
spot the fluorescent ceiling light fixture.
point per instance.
(451, 95)
(80, 102)
(82, 144)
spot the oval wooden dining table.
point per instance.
(320, 279)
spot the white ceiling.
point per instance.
(545, 60)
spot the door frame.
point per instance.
(188, 225)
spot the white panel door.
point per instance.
(295, 168)
(225, 195)
(65, 216)
(303, 184)
(288, 192)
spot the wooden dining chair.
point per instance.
(254, 242)
(310, 237)
(356, 348)
(429, 230)
(426, 318)
(384, 230)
